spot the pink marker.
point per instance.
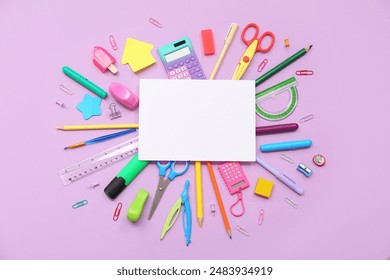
(123, 95)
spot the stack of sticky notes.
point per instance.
(264, 187)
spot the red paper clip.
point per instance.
(304, 72)
(113, 43)
(117, 211)
(262, 65)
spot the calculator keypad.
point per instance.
(187, 68)
(234, 176)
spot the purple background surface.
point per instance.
(344, 211)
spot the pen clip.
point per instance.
(230, 30)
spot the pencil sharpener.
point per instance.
(304, 170)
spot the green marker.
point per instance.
(125, 176)
(282, 65)
(84, 82)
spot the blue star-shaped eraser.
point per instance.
(90, 106)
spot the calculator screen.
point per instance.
(177, 54)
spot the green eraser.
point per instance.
(136, 207)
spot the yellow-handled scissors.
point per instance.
(254, 45)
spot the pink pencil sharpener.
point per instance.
(123, 95)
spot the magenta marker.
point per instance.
(278, 128)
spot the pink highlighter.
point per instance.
(123, 95)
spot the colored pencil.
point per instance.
(199, 192)
(100, 139)
(98, 126)
(219, 199)
(282, 65)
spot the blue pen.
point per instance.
(282, 146)
(100, 139)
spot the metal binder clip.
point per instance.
(114, 113)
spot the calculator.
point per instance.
(234, 177)
(180, 60)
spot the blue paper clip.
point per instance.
(79, 204)
(304, 169)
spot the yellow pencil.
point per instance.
(199, 194)
(98, 126)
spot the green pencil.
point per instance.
(282, 65)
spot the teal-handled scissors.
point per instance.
(186, 216)
(254, 45)
(163, 184)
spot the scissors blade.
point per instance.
(171, 218)
(162, 185)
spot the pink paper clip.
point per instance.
(113, 43)
(304, 72)
(261, 217)
(262, 65)
(155, 23)
(117, 211)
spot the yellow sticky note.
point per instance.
(264, 187)
(137, 54)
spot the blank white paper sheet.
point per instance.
(197, 120)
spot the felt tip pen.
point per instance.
(282, 146)
(278, 128)
(125, 176)
(84, 82)
(281, 177)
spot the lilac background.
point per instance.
(344, 211)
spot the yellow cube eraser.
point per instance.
(264, 187)
(136, 207)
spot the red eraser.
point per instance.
(208, 42)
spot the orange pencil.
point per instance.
(220, 203)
